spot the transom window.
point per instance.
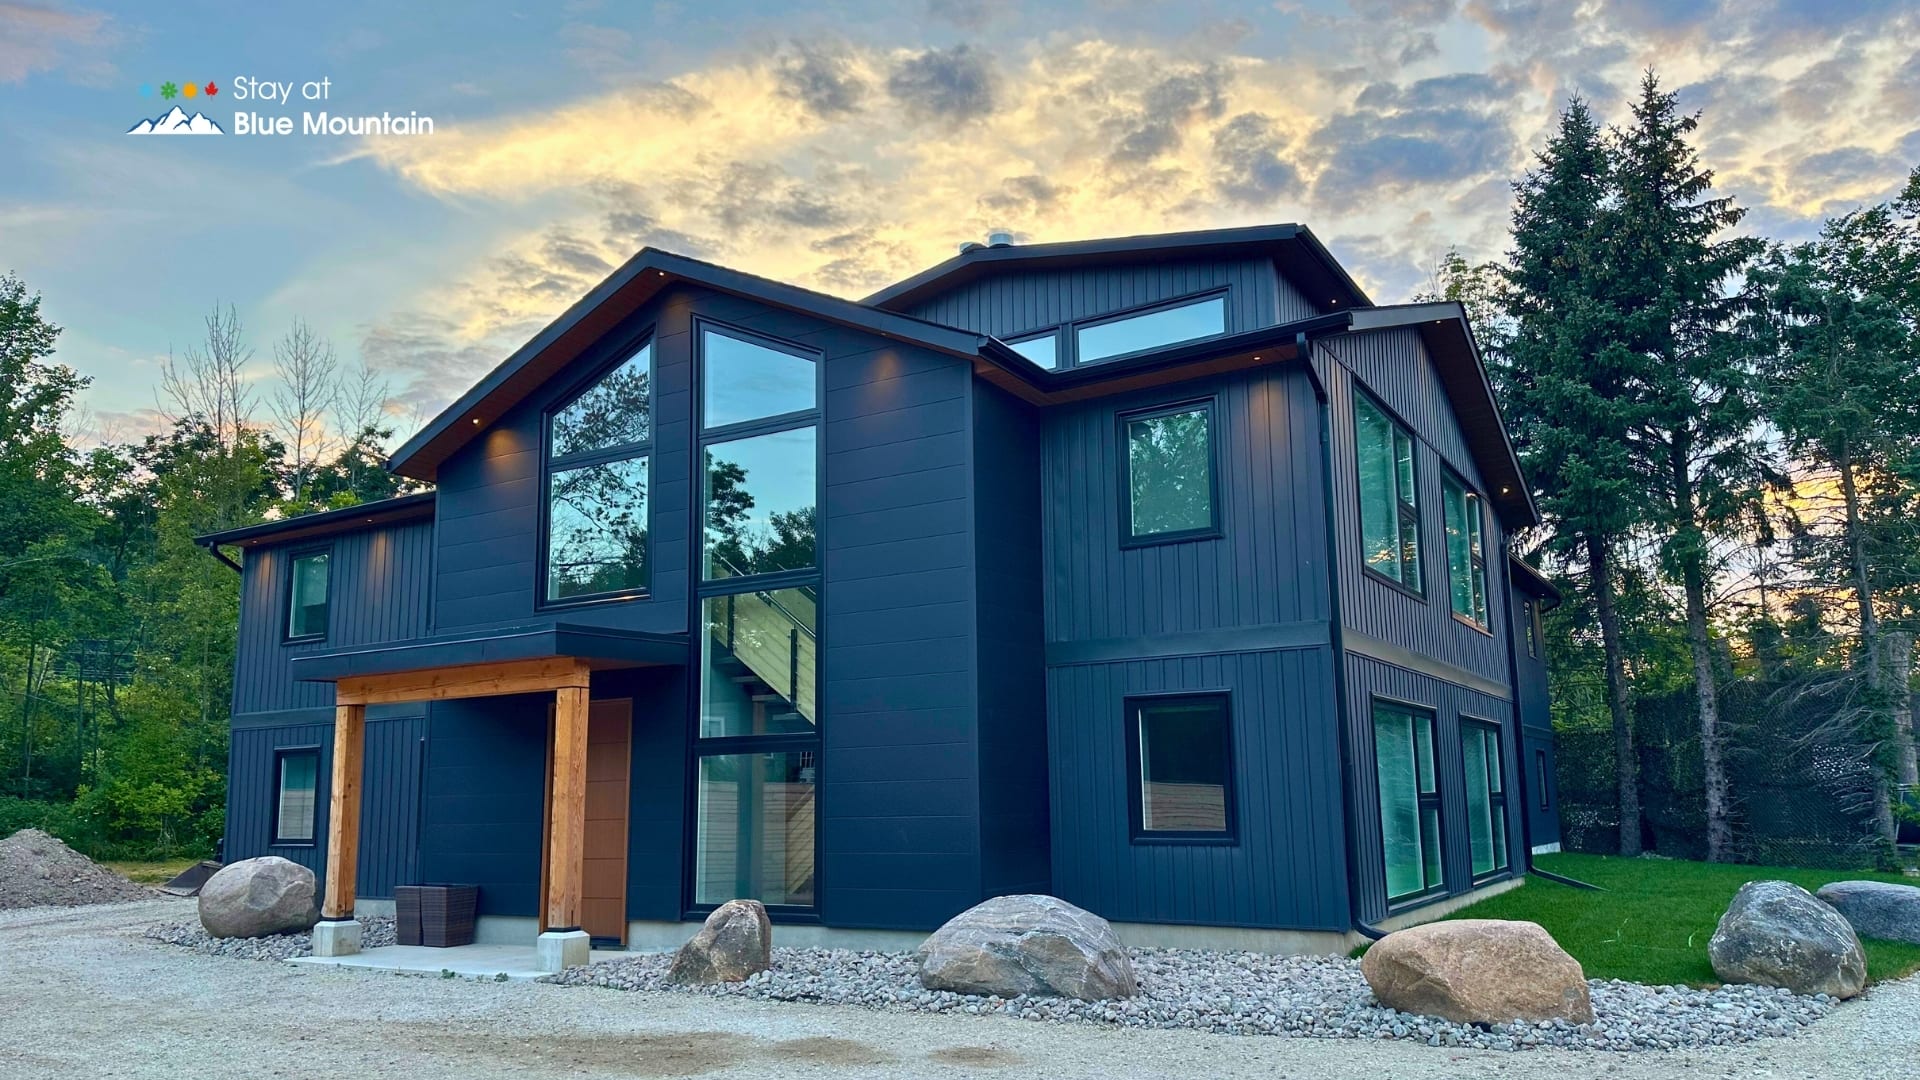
(1389, 495)
(1486, 797)
(1043, 349)
(757, 721)
(296, 801)
(307, 596)
(1180, 750)
(1409, 800)
(1169, 484)
(1466, 554)
(599, 444)
(1130, 334)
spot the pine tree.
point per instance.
(1697, 443)
(1569, 385)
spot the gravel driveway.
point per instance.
(82, 994)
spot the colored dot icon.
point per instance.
(171, 90)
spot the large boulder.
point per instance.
(257, 897)
(1040, 945)
(1876, 909)
(1478, 971)
(1776, 933)
(735, 942)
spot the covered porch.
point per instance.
(554, 659)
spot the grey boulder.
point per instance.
(1776, 933)
(735, 942)
(1877, 909)
(1478, 971)
(258, 897)
(1027, 944)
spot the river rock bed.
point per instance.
(1252, 994)
(374, 932)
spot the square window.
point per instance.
(1182, 767)
(307, 596)
(759, 659)
(1409, 801)
(754, 837)
(296, 800)
(597, 529)
(759, 495)
(1170, 484)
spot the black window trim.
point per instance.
(1403, 512)
(1137, 832)
(1071, 330)
(1211, 531)
(1437, 889)
(294, 555)
(1057, 332)
(280, 753)
(549, 464)
(813, 577)
(1496, 799)
(1478, 562)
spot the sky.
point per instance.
(839, 147)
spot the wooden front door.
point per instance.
(603, 895)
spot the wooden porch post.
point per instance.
(343, 817)
(568, 827)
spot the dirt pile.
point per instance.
(37, 870)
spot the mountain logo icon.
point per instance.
(177, 122)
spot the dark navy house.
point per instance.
(1166, 574)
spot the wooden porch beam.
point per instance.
(465, 681)
(567, 830)
(343, 814)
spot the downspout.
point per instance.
(1337, 643)
(222, 556)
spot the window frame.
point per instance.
(294, 555)
(1057, 333)
(1072, 330)
(1213, 530)
(1530, 616)
(1423, 801)
(280, 753)
(1406, 516)
(1496, 798)
(611, 455)
(1474, 503)
(1131, 706)
(703, 589)
(1540, 774)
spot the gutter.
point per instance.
(214, 550)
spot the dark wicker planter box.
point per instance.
(437, 915)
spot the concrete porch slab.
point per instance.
(517, 962)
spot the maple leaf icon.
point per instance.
(212, 89)
(169, 91)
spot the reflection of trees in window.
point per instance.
(597, 522)
(597, 454)
(1170, 473)
(741, 542)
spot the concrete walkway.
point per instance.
(83, 995)
(516, 962)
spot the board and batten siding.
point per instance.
(1014, 302)
(1537, 760)
(1370, 680)
(390, 784)
(377, 589)
(1246, 613)
(1392, 366)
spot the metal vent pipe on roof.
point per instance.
(999, 239)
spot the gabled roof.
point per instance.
(1300, 255)
(623, 292)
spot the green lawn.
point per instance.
(149, 873)
(1653, 922)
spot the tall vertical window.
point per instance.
(1170, 484)
(1181, 757)
(307, 596)
(1389, 495)
(1486, 797)
(758, 713)
(1540, 779)
(598, 448)
(1409, 800)
(296, 800)
(1466, 551)
(1530, 614)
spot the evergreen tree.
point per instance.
(1570, 387)
(1696, 442)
